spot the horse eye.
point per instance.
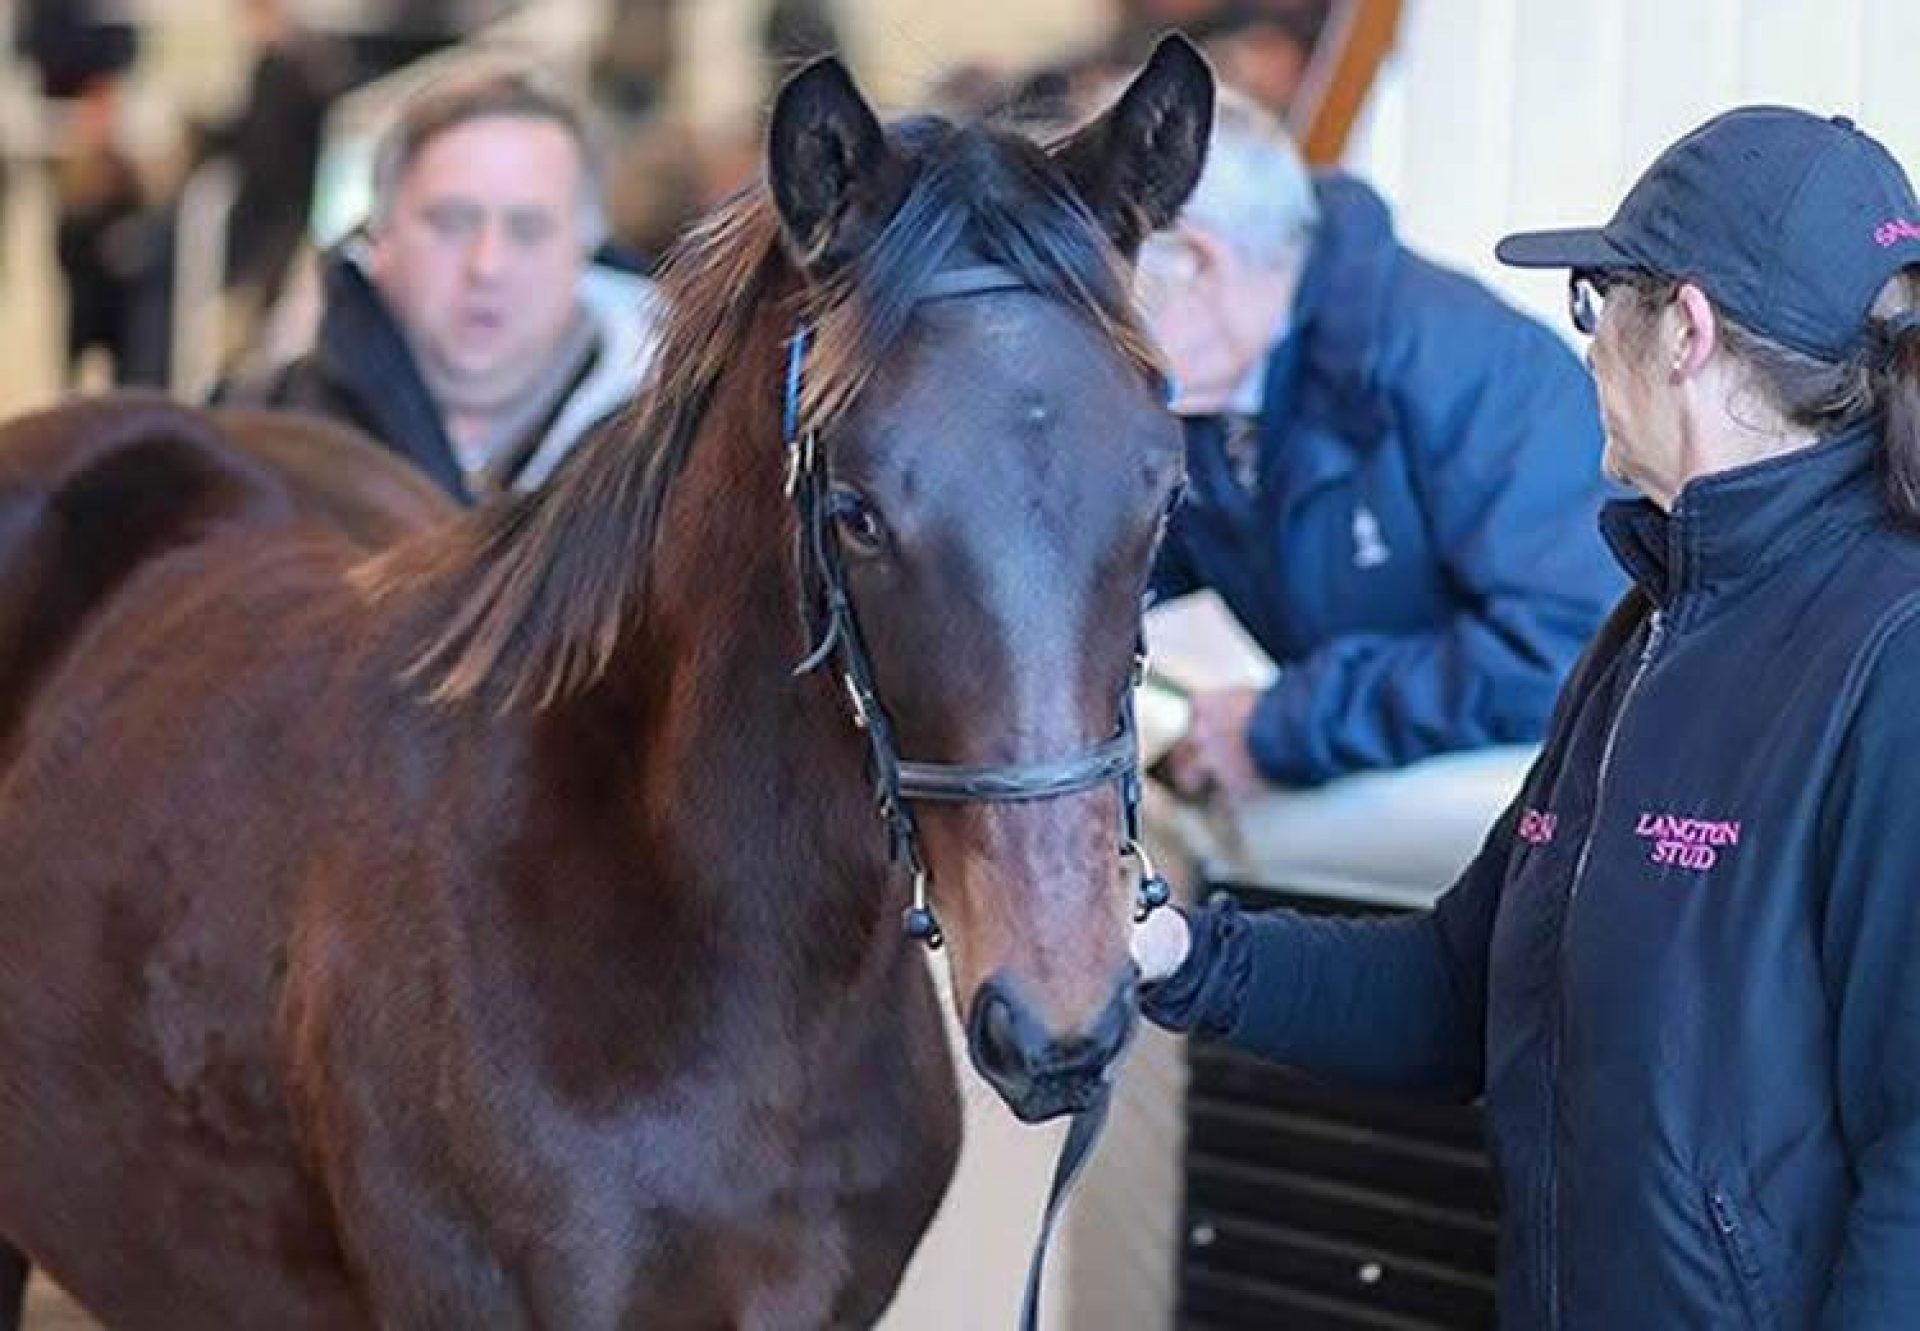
(859, 526)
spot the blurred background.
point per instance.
(152, 153)
(1471, 116)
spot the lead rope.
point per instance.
(1074, 1154)
(1084, 1131)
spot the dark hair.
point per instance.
(482, 89)
(1899, 392)
(1825, 397)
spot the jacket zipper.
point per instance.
(1550, 1258)
(1726, 1224)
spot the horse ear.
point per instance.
(1135, 165)
(834, 177)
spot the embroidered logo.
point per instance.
(1369, 545)
(1686, 843)
(1894, 230)
(1537, 826)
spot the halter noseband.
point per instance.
(898, 783)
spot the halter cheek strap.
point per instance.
(834, 629)
(899, 784)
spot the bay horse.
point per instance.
(497, 932)
(91, 489)
(275, 467)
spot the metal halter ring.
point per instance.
(920, 923)
(856, 702)
(1154, 891)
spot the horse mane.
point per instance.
(539, 590)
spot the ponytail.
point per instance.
(1900, 393)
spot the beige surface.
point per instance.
(30, 322)
(50, 1310)
(1396, 838)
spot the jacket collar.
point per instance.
(1340, 311)
(1735, 527)
(628, 312)
(360, 348)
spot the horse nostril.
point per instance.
(996, 1038)
(1038, 1072)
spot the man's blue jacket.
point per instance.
(1419, 551)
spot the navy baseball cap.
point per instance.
(1791, 222)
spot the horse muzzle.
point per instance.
(1037, 1072)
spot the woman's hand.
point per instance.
(1212, 761)
(1160, 944)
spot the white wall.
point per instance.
(191, 54)
(897, 46)
(1498, 115)
(901, 45)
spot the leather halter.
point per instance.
(899, 783)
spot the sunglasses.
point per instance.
(1587, 295)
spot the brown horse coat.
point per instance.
(496, 934)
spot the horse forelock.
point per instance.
(534, 595)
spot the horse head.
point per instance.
(985, 498)
(933, 325)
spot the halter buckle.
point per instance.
(799, 462)
(1153, 890)
(1131, 849)
(921, 926)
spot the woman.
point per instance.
(1684, 971)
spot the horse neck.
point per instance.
(751, 781)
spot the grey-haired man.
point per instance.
(1393, 479)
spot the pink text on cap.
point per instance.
(1892, 232)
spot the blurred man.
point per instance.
(74, 44)
(468, 327)
(105, 242)
(274, 142)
